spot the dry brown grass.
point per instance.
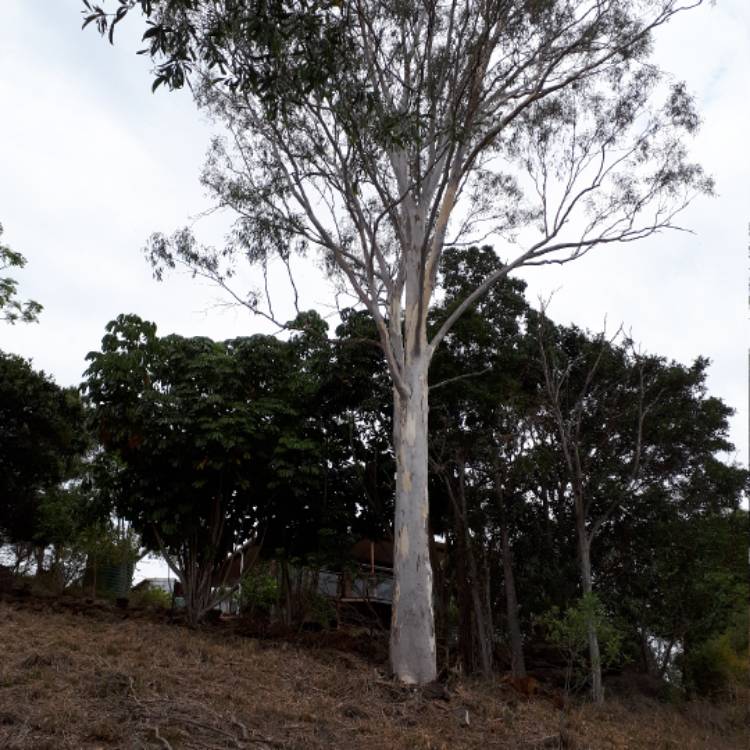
(87, 678)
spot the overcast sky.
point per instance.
(91, 163)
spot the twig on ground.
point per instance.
(161, 739)
(242, 727)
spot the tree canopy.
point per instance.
(378, 133)
(42, 441)
(12, 309)
(211, 447)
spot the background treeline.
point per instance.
(586, 514)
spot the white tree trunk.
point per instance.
(413, 658)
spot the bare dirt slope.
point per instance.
(77, 677)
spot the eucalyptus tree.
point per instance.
(376, 132)
(598, 397)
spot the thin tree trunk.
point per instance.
(648, 658)
(597, 690)
(463, 599)
(413, 657)
(666, 659)
(440, 588)
(39, 559)
(489, 622)
(484, 636)
(286, 589)
(483, 632)
(462, 578)
(517, 661)
(197, 584)
(473, 612)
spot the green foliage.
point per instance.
(210, 444)
(318, 609)
(678, 572)
(107, 545)
(150, 597)
(272, 49)
(721, 663)
(185, 423)
(42, 441)
(569, 630)
(11, 309)
(300, 431)
(713, 667)
(258, 591)
(368, 103)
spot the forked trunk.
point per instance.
(196, 585)
(413, 657)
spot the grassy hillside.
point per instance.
(80, 676)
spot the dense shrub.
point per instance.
(151, 597)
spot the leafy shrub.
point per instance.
(151, 597)
(318, 609)
(568, 631)
(258, 591)
(719, 665)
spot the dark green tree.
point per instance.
(630, 430)
(674, 571)
(183, 429)
(477, 418)
(211, 447)
(359, 393)
(42, 442)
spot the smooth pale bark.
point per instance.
(413, 653)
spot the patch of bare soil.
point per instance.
(96, 677)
